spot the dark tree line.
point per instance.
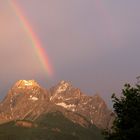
(127, 110)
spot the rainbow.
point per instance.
(36, 44)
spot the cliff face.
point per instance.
(91, 107)
(28, 100)
(23, 99)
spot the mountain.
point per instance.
(62, 111)
(92, 107)
(23, 98)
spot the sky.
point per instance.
(94, 44)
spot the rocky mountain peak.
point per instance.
(28, 100)
(26, 83)
(64, 90)
(22, 99)
(63, 86)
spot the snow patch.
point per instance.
(73, 109)
(62, 87)
(51, 98)
(25, 83)
(93, 107)
(66, 106)
(68, 99)
(28, 83)
(91, 121)
(33, 98)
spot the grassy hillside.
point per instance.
(51, 126)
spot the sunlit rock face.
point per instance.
(28, 100)
(26, 83)
(23, 99)
(92, 107)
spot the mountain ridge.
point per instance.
(28, 100)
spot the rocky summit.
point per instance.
(24, 98)
(27, 104)
(91, 107)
